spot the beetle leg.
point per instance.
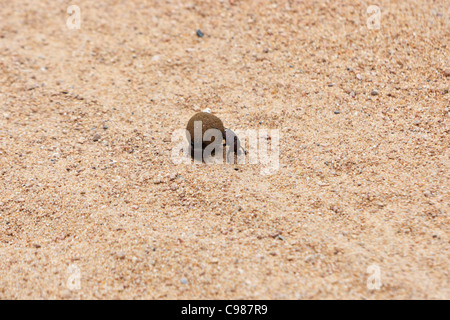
(228, 155)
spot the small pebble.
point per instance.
(184, 281)
(275, 235)
(447, 73)
(96, 137)
(337, 112)
(200, 34)
(374, 92)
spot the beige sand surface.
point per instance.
(368, 185)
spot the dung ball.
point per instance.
(207, 121)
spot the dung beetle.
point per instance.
(233, 142)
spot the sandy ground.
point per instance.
(88, 189)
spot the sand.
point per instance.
(89, 191)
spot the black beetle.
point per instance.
(233, 142)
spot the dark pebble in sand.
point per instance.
(200, 34)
